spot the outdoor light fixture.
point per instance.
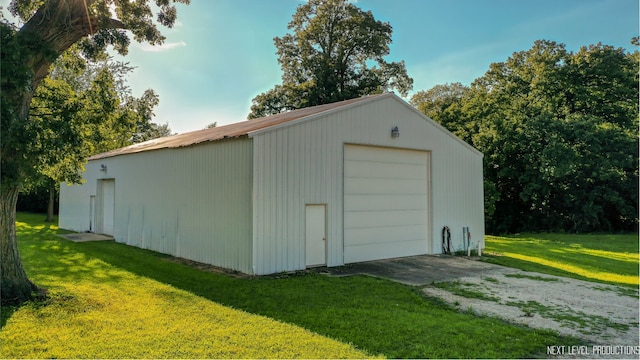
(395, 132)
(103, 168)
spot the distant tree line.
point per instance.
(559, 133)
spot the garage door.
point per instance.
(385, 203)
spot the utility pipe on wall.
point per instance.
(466, 239)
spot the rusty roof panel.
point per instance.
(227, 131)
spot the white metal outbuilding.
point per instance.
(358, 180)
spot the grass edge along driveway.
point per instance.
(604, 258)
(184, 312)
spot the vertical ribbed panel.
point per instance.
(75, 201)
(303, 164)
(192, 202)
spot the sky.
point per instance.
(220, 54)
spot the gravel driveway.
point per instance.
(601, 315)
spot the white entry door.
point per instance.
(316, 238)
(106, 194)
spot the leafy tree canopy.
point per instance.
(335, 52)
(559, 131)
(68, 122)
(83, 108)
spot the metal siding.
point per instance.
(74, 210)
(303, 164)
(193, 202)
(458, 196)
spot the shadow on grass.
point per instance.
(610, 259)
(377, 315)
(553, 270)
(5, 314)
(620, 243)
(63, 260)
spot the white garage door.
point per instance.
(385, 203)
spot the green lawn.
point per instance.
(611, 259)
(110, 300)
(99, 309)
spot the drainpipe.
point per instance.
(464, 238)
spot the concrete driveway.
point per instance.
(423, 269)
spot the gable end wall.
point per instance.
(303, 164)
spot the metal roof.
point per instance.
(236, 130)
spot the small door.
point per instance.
(316, 235)
(106, 195)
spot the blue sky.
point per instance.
(221, 53)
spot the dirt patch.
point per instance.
(84, 237)
(422, 269)
(600, 314)
(208, 268)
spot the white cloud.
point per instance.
(164, 47)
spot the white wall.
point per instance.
(192, 202)
(302, 163)
(74, 212)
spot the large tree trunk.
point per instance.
(56, 26)
(15, 285)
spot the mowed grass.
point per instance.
(100, 310)
(611, 259)
(110, 300)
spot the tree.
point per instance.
(327, 58)
(443, 104)
(142, 108)
(559, 134)
(71, 123)
(51, 27)
(151, 130)
(53, 137)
